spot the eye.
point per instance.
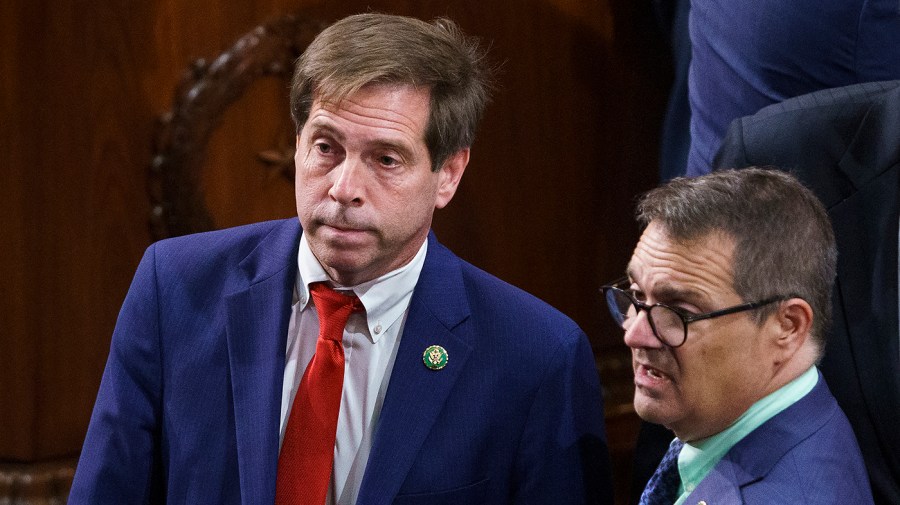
(637, 294)
(682, 310)
(388, 161)
(682, 307)
(322, 147)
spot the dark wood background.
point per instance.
(546, 202)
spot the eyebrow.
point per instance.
(319, 126)
(667, 292)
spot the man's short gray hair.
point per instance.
(784, 243)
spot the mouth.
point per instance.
(341, 235)
(342, 228)
(649, 376)
(652, 372)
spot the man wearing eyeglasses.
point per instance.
(724, 307)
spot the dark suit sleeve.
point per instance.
(563, 446)
(117, 461)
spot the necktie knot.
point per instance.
(333, 309)
(662, 489)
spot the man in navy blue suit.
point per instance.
(724, 307)
(457, 387)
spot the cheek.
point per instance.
(700, 373)
(309, 182)
(308, 196)
(304, 192)
(718, 375)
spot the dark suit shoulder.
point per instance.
(828, 111)
(234, 242)
(209, 260)
(834, 140)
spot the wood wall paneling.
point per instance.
(17, 381)
(546, 202)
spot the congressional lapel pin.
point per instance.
(435, 357)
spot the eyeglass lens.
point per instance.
(666, 323)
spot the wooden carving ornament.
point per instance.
(202, 97)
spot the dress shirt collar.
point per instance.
(698, 458)
(385, 298)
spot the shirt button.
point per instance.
(378, 329)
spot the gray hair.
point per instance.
(385, 49)
(784, 243)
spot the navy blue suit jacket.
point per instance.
(844, 144)
(188, 408)
(805, 455)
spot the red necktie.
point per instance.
(307, 452)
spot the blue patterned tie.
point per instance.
(662, 489)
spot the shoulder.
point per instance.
(503, 307)
(847, 101)
(229, 241)
(834, 140)
(812, 454)
(214, 254)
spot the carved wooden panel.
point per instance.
(205, 92)
(39, 484)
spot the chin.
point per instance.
(650, 409)
(346, 263)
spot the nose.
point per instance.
(349, 183)
(639, 333)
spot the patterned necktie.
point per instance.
(662, 489)
(307, 452)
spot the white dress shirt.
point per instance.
(370, 346)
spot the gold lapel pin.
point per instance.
(435, 357)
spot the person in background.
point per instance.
(725, 306)
(844, 144)
(747, 55)
(347, 357)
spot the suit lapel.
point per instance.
(755, 455)
(416, 394)
(256, 329)
(721, 485)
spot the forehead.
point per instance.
(702, 265)
(390, 109)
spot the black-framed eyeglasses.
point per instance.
(669, 324)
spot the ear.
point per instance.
(793, 323)
(449, 176)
